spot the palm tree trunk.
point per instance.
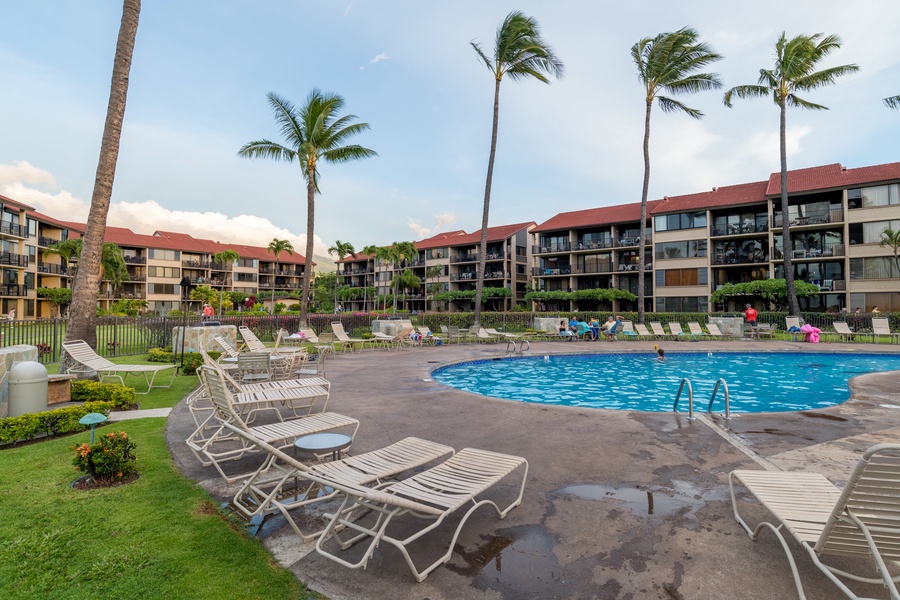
(645, 190)
(310, 228)
(482, 253)
(793, 304)
(83, 323)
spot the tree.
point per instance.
(520, 53)
(794, 72)
(434, 273)
(891, 239)
(313, 132)
(224, 257)
(398, 254)
(406, 280)
(668, 63)
(342, 250)
(83, 311)
(58, 297)
(276, 247)
(112, 262)
(370, 251)
(892, 102)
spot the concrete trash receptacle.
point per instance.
(27, 388)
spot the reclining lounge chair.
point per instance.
(89, 361)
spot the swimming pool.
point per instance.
(757, 381)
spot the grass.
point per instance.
(160, 537)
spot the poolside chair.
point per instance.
(455, 334)
(500, 335)
(843, 331)
(430, 496)
(89, 361)
(251, 342)
(628, 330)
(287, 344)
(227, 349)
(273, 487)
(676, 332)
(657, 329)
(428, 336)
(309, 335)
(220, 447)
(881, 327)
(862, 521)
(790, 323)
(253, 367)
(347, 342)
(695, 329)
(642, 331)
(714, 331)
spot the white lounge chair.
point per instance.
(695, 329)
(714, 330)
(790, 322)
(843, 331)
(657, 329)
(251, 342)
(881, 327)
(431, 496)
(677, 332)
(862, 521)
(347, 342)
(221, 447)
(91, 362)
(642, 331)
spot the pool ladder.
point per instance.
(721, 382)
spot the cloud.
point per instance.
(17, 179)
(379, 58)
(425, 232)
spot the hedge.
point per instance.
(51, 422)
(119, 396)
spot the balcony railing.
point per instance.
(135, 260)
(816, 218)
(465, 257)
(55, 269)
(217, 266)
(594, 244)
(13, 290)
(468, 276)
(737, 258)
(738, 229)
(43, 242)
(15, 260)
(551, 248)
(811, 253)
(195, 264)
(11, 229)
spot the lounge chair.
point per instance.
(221, 447)
(642, 331)
(90, 362)
(269, 490)
(657, 329)
(251, 342)
(227, 349)
(714, 330)
(881, 327)
(862, 521)
(766, 330)
(791, 323)
(500, 335)
(431, 496)
(695, 329)
(309, 335)
(455, 334)
(628, 330)
(428, 336)
(677, 332)
(285, 343)
(253, 367)
(842, 330)
(347, 342)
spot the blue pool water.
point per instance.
(757, 382)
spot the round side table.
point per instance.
(323, 443)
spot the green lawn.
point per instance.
(160, 537)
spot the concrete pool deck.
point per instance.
(618, 504)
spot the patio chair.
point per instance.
(428, 336)
(500, 335)
(309, 335)
(676, 332)
(695, 329)
(345, 340)
(862, 521)
(253, 367)
(881, 327)
(227, 349)
(628, 330)
(220, 447)
(269, 490)
(431, 496)
(790, 323)
(484, 337)
(642, 332)
(843, 331)
(251, 342)
(657, 329)
(91, 362)
(286, 344)
(714, 331)
(454, 333)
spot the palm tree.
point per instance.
(342, 250)
(224, 257)
(668, 63)
(892, 102)
(891, 239)
(434, 273)
(313, 132)
(520, 53)
(83, 324)
(276, 247)
(370, 251)
(794, 71)
(112, 261)
(398, 254)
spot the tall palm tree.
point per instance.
(342, 250)
(891, 239)
(225, 257)
(520, 53)
(668, 63)
(276, 247)
(370, 251)
(794, 72)
(892, 102)
(399, 253)
(313, 132)
(83, 310)
(112, 261)
(434, 273)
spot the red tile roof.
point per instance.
(48, 219)
(834, 176)
(461, 238)
(729, 195)
(16, 203)
(605, 215)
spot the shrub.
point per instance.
(120, 396)
(192, 362)
(158, 355)
(111, 457)
(51, 422)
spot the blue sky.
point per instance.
(202, 70)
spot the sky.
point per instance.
(202, 69)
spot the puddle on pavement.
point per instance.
(638, 501)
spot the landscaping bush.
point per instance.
(158, 355)
(121, 397)
(193, 361)
(51, 422)
(111, 457)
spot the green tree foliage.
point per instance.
(770, 290)
(58, 297)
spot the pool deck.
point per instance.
(618, 504)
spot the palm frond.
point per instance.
(267, 149)
(892, 102)
(745, 91)
(669, 105)
(798, 102)
(824, 77)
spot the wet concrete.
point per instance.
(618, 504)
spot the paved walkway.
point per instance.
(124, 415)
(618, 504)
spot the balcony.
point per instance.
(217, 266)
(51, 268)
(816, 218)
(834, 250)
(13, 290)
(8, 228)
(43, 242)
(744, 228)
(465, 257)
(195, 264)
(547, 248)
(135, 260)
(14, 260)
(740, 258)
(468, 276)
(594, 244)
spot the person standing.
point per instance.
(12, 314)
(208, 312)
(750, 316)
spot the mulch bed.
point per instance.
(86, 483)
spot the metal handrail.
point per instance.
(687, 381)
(727, 400)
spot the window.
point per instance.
(870, 233)
(688, 249)
(166, 272)
(679, 277)
(251, 263)
(680, 304)
(689, 220)
(157, 254)
(870, 197)
(32, 227)
(877, 267)
(161, 288)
